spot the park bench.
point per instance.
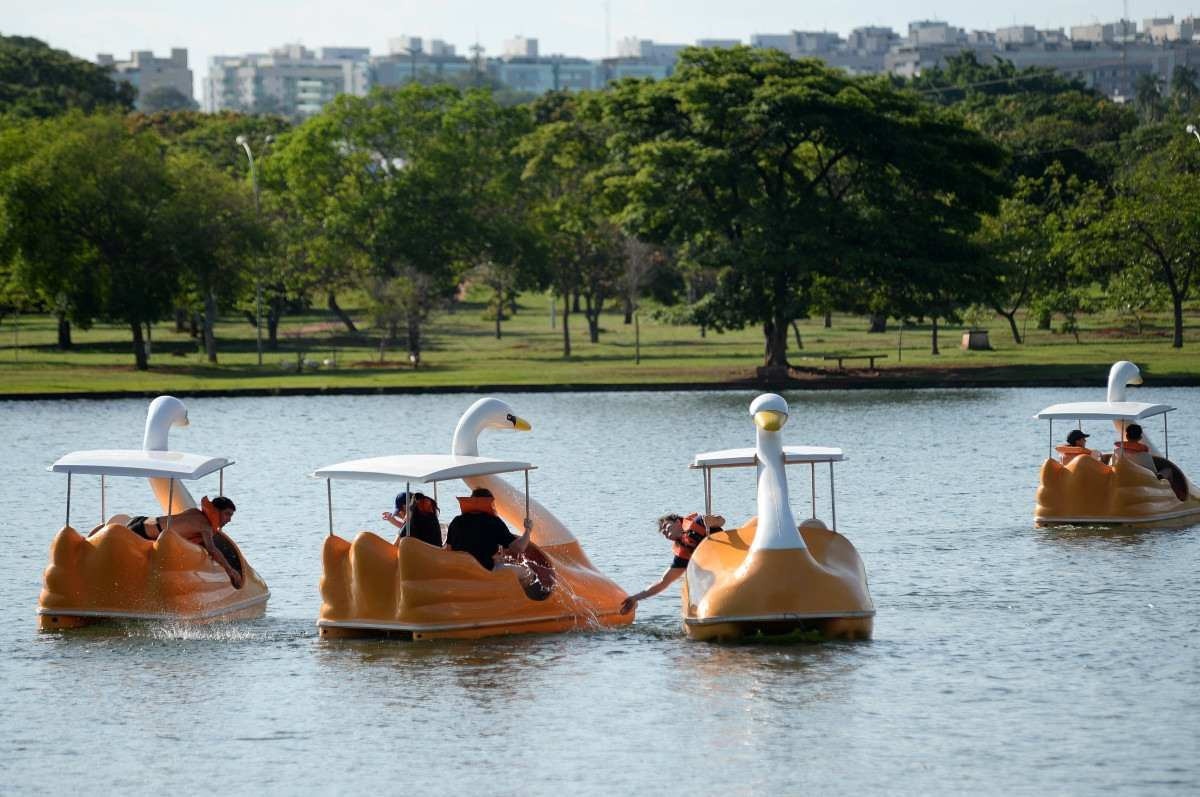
(870, 358)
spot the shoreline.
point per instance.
(949, 378)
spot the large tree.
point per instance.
(772, 169)
(85, 215)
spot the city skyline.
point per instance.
(221, 27)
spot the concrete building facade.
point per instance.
(145, 72)
(292, 80)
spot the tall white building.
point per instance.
(292, 80)
(145, 72)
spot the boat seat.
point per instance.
(814, 523)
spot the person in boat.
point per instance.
(481, 533)
(196, 526)
(1134, 450)
(423, 525)
(685, 532)
(1076, 447)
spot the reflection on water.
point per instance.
(1047, 660)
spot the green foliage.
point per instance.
(408, 183)
(1135, 292)
(568, 158)
(37, 81)
(214, 136)
(1039, 116)
(1152, 220)
(963, 78)
(166, 98)
(86, 219)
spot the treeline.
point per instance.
(747, 189)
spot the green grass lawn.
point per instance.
(461, 350)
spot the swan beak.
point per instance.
(521, 425)
(185, 421)
(770, 420)
(1137, 380)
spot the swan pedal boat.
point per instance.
(413, 590)
(771, 575)
(114, 574)
(1089, 492)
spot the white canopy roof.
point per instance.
(423, 468)
(745, 457)
(1103, 411)
(144, 464)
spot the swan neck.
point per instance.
(158, 429)
(1118, 380)
(776, 524)
(466, 435)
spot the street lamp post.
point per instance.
(245, 144)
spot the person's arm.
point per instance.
(210, 545)
(669, 577)
(519, 545)
(391, 518)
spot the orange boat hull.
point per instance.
(1088, 492)
(115, 574)
(730, 591)
(371, 587)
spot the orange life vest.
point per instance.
(694, 533)
(1070, 452)
(480, 503)
(1130, 445)
(211, 513)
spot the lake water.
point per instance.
(1005, 659)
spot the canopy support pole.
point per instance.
(102, 513)
(329, 503)
(527, 496)
(832, 498)
(812, 470)
(406, 531)
(221, 482)
(1166, 440)
(1050, 451)
(708, 491)
(68, 498)
(170, 502)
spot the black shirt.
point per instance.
(479, 534)
(425, 528)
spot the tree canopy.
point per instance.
(38, 81)
(778, 171)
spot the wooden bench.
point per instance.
(870, 358)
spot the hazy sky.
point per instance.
(574, 27)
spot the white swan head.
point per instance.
(1121, 374)
(164, 413)
(487, 413)
(770, 412)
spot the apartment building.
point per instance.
(291, 80)
(145, 72)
